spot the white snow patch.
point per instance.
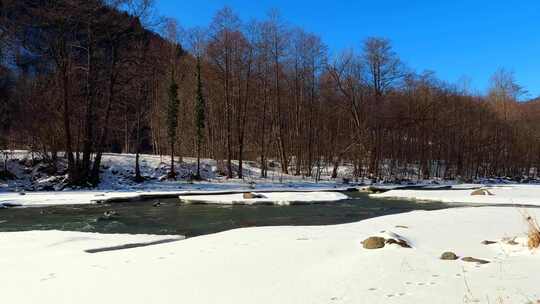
(324, 264)
(275, 198)
(43, 199)
(117, 174)
(508, 194)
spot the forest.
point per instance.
(79, 78)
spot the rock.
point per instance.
(11, 205)
(449, 256)
(391, 241)
(251, 195)
(108, 215)
(374, 242)
(488, 242)
(512, 241)
(481, 192)
(474, 260)
(402, 226)
(399, 242)
(248, 195)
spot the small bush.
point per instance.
(534, 232)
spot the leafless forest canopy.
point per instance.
(81, 78)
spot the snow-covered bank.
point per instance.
(507, 194)
(273, 198)
(324, 264)
(117, 174)
(43, 199)
(65, 241)
(37, 184)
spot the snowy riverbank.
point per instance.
(324, 264)
(37, 184)
(221, 195)
(494, 195)
(270, 198)
(117, 174)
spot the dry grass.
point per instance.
(534, 231)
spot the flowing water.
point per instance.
(170, 217)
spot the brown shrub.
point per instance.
(534, 232)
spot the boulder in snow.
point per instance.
(374, 242)
(399, 242)
(482, 192)
(474, 260)
(251, 195)
(449, 256)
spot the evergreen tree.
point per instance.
(172, 122)
(199, 116)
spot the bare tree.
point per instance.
(383, 65)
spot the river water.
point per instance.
(170, 217)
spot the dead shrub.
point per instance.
(534, 231)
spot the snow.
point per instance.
(34, 185)
(44, 199)
(323, 264)
(507, 195)
(117, 172)
(34, 243)
(275, 198)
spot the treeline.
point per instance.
(87, 77)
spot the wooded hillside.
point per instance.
(88, 77)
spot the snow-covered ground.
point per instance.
(117, 174)
(325, 264)
(504, 194)
(286, 194)
(36, 182)
(276, 198)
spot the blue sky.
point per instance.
(456, 39)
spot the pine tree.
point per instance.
(199, 116)
(172, 122)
